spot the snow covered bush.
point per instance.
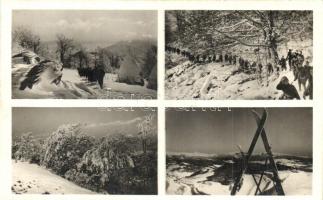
(141, 179)
(98, 163)
(139, 57)
(113, 164)
(116, 164)
(149, 70)
(27, 148)
(65, 148)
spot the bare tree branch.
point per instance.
(239, 40)
(253, 22)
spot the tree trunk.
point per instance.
(274, 54)
(62, 57)
(271, 40)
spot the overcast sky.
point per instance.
(289, 131)
(89, 26)
(97, 121)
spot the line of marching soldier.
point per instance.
(295, 59)
(244, 64)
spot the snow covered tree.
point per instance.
(64, 48)
(212, 30)
(149, 70)
(27, 148)
(83, 57)
(110, 164)
(145, 128)
(104, 60)
(65, 148)
(27, 39)
(108, 157)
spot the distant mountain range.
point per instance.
(230, 154)
(191, 154)
(89, 45)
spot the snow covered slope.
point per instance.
(72, 86)
(217, 81)
(191, 176)
(33, 179)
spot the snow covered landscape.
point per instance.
(55, 61)
(72, 86)
(220, 81)
(238, 55)
(114, 154)
(34, 179)
(221, 152)
(213, 175)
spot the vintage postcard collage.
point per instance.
(161, 99)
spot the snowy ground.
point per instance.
(73, 86)
(184, 179)
(216, 81)
(33, 179)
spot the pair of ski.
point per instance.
(259, 132)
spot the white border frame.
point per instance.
(6, 103)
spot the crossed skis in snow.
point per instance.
(260, 131)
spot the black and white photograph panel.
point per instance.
(81, 54)
(239, 54)
(239, 151)
(84, 150)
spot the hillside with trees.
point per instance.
(118, 163)
(257, 37)
(131, 63)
